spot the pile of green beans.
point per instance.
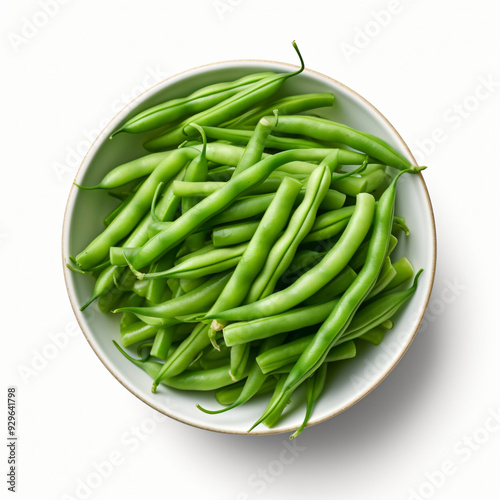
(253, 248)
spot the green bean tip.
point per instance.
(87, 188)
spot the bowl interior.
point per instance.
(350, 380)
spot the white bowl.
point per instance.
(349, 381)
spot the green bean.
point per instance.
(359, 258)
(174, 109)
(212, 358)
(130, 299)
(107, 221)
(192, 302)
(184, 254)
(309, 283)
(256, 145)
(198, 189)
(335, 287)
(346, 350)
(156, 288)
(367, 182)
(225, 110)
(251, 206)
(273, 142)
(247, 331)
(329, 224)
(163, 341)
(239, 360)
(341, 316)
(202, 380)
(329, 131)
(230, 395)
(290, 105)
(219, 259)
(379, 310)
(188, 189)
(375, 335)
(244, 208)
(314, 386)
(404, 272)
(137, 332)
(233, 234)
(345, 157)
(196, 171)
(387, 273)
(284, 355)
(130, 171)
(188, 285)
(275, 408)
(303, 260)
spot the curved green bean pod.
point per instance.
(404, 271)
(200, 265)
(329, 224)
(190, 303)
(247, 331)
(256, 144)
(379, 310)
(273, 142)
(329, 131)
(290, 105)
(335, 287)
(227, 396)
(233, 234)
(137, 332)
(225, 110)
(314, 387)
(174, 109)
(130, 171)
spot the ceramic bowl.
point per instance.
(349, 381)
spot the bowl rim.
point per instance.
(105, 132)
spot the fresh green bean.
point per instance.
(314, 386)
(192, 302)
(130, 171)
(233, 234)
(290, 105)
(329, 131)
(225, 110)
(240, 136)
(256, 145)
(174, 109)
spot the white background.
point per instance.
(432, 428)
